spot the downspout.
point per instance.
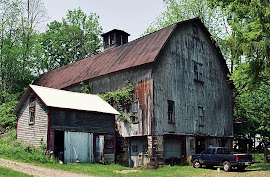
(48, 130)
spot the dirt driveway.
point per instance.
(36, 170)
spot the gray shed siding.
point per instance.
(174, 80)
(33, 133)
(82, 121)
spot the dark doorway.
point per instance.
(59, 144)
(200, 145)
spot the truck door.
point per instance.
(214, 156)
(206, 156)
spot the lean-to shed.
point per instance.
(73, 125)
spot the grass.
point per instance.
(8, 172)
(260, 167)
(12, 149)
(109, 170)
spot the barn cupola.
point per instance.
(114, 38)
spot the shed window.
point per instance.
(198, 71)
(108, 144)
(171, 117)
(200, 112)
(32, 105)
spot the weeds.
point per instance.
(19, 150)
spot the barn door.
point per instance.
(78, 147)
(99, 147)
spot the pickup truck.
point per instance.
(221, 156)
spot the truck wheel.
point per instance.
(196, 164)
(227, 166)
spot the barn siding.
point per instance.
(140, 77)
(174, 80)
(33, 133)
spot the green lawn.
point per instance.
(109, 170)
(14, 150)
(8, 172)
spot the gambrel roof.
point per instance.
(135, 53)
(68, 100)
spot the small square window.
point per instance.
(108, 144)
(171, 116)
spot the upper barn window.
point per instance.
(32, 109)
(171, 118)
(198, 71)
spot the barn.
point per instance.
(75, 126)
(182, 100)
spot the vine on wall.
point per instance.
(121, 98)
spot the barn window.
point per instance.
(171, 118)
(108, 144)
(198, 71)
(32, 105)
(200, 112)
(134, 148)
(134, 115)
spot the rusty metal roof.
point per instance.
(140, 51)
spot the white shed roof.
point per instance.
(71, 100)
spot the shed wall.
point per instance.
(33, 133)
(82, 121)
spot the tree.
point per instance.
(72, 39)
(18, 35)
(252, 105)
(250, 38)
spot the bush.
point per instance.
(18, 150)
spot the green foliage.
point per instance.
(120, 98)
(250, 37)
(252, 105)
(85, 88)
(17, 150)
(7, 119)
(72, 39)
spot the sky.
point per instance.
(132, 16)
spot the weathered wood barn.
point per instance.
(75, 126)
(182, 99)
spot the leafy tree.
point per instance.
(18, 35)
(252, 105)
(72, 39)
(250, 38)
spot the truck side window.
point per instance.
(213, 151)
(219, 151)
(207, 151)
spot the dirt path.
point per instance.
(36, 170)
